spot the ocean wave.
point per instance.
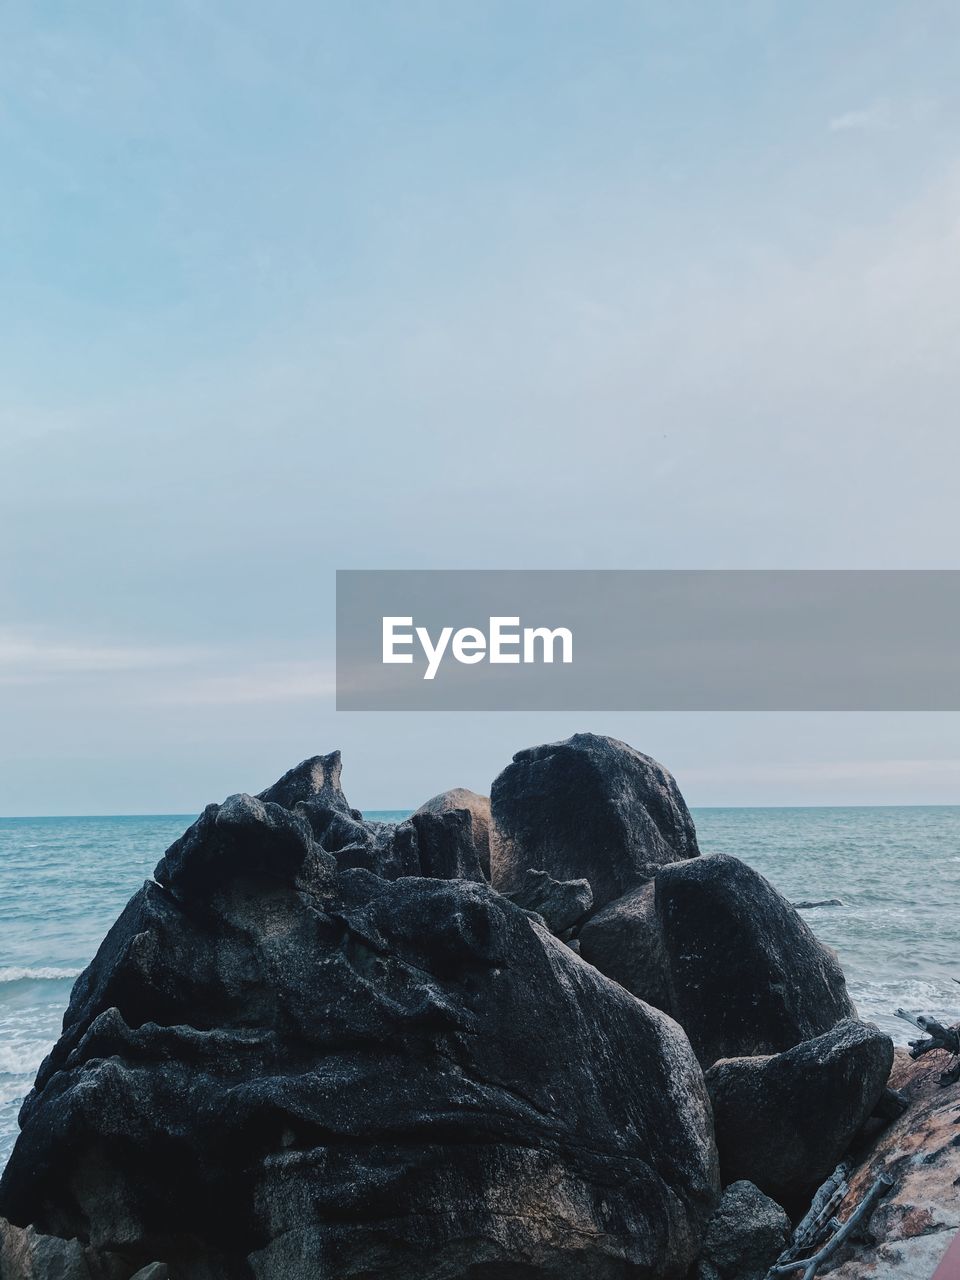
(913, 993)
(23, 1059)
(11, 1093)
(878, 1000)
(44, 973)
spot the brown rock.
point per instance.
(914, 1225)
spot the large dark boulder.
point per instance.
(712, 943)
(588, 807)
(459, 798)
(745, 974)
(784, 1121)
(281, 1067)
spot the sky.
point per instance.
(307, 286)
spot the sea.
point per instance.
(895, 870)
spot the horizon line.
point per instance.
(694, 808)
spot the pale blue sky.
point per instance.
(303, 286)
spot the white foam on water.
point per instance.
(23, 1057)
(11, 1092)
(44, 973)
(878, 1001)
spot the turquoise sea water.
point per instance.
(897, 870)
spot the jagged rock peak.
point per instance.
(313, 781)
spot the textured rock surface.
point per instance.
(562, 903)
(590, 806)
(437, 841)
(915, 1224)
(784, 1121)
(907, 1258)
(745, 1235)
(315, 781)
(479, 809)
(281, 1066)
(625, 942)
(25, 1254)
(745, 973)
(446, 848)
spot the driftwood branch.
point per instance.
(813, 1224)
(940, 1037)
(937, 1037)
(809, 1266)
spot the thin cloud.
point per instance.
(162, 675)
(883, 115)
(864, 120)
(26, 658)
(264, 683)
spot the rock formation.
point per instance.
(315, 781)
(439, 840)
(713, 944)
(319, 1046)
(284, 1066)
(25, 1254)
